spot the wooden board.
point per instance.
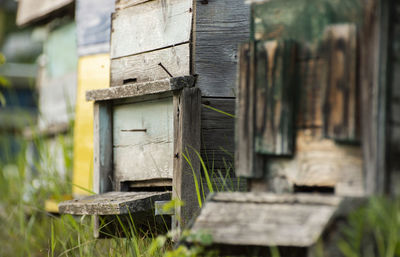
(274, 104)
(92, 74)
(32, 10)
(268, 219)
(151, 66)
(319, 162)
(219, 28)
(121, 4)
(93, 19)
(144, 89)
(114, 203)
(341, 100)
(150, 26)
(187, 125)
(143, 141)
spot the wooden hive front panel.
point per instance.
(143, 140)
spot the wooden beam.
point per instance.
(275, 91)
(341, 99)
(187, 130)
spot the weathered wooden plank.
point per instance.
(93, 19)
(217, 133)
(114, 203)
(141, 89)
(150, 26)
(121, 4)
(102, 148)
(274, 103)
(32, 10)
(220, 27)
(341, 120)
(246, 162)
(187, 131)
(143, 140)
(267, 224)
(151, 66)
(319, 162)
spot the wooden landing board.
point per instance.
(113, 203)
(150, 26)
(33, 10)
(173, 61)
(219, 29)
(269, 219)
(93, 19)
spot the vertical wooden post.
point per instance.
(102, 153)
(187, 130)
(373, 62)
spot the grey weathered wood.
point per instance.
(269, 220)
(275, 90)
(341, 99)
(148, 66)
(247, 164)
(219, 28)
(102, 148)
(141, 89)
(143, 140)
(187, 124)
(121, 4)
(373, 59)
(31, 10)
(93, 20)
(114, 203)
(150, 26)
(217, 133)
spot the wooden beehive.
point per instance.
(315, 126)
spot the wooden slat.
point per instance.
(150, 26)
(121, 4)
(270, 220)
(151, 66)
(114, 203)
(93, 20)
(341, 103)
(102, 148)
(275, 89)
(220, 27)
(143, 140)
(187, 124)
(141, 89)
(32, 10)
(246, 161)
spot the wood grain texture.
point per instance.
(150, 26)
(275, 89)
(102, 148)
(269, 220)
(341, 101)
(141, 89)
(114, 203)
(247, 163)
(121, 4)
(219, 28)
(318, 162)
(187, 124)
(146, 66)
(93, 20)
(32, 10)
(143, 140)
